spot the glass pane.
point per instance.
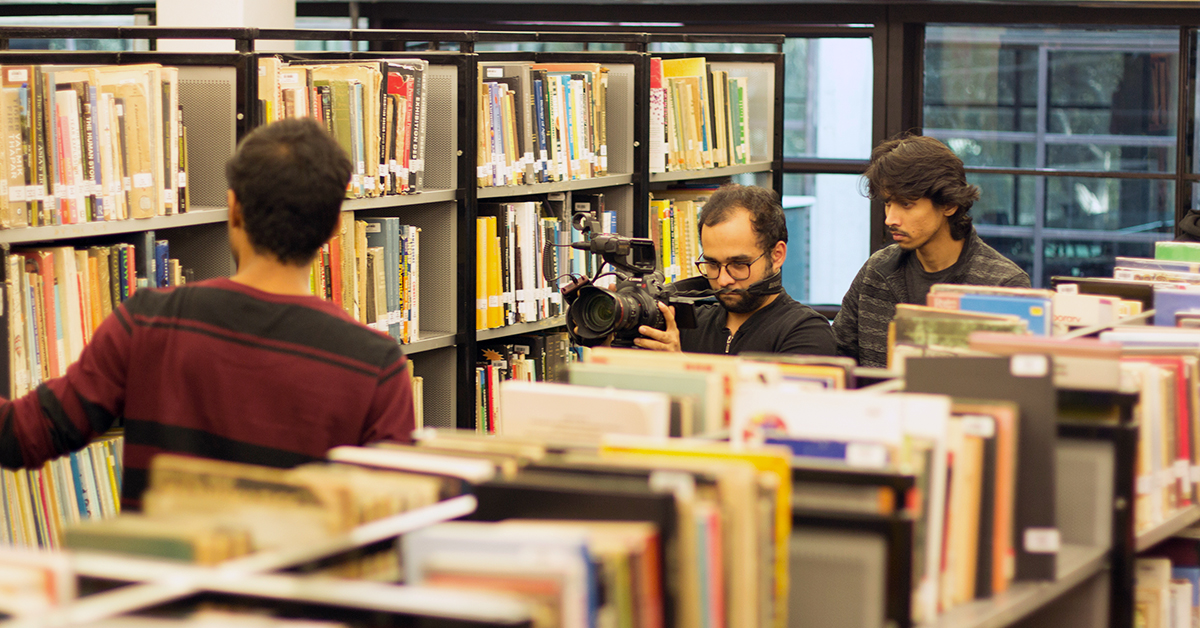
(1125, 205)
(827, 98)
(1004, 199)
(703, 47)
(1019, 250)
(1101, 100)
(109, 45)
(1147, 157)
(829, 226)
(1077, 258)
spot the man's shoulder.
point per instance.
(988, 266)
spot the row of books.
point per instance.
(541, 122)
(674, 228)
(58, 296)
(530, 357)
(1167, 584)
(40, 504)
(91, 144)
(518, 257)
(377, 110)
(371, 269)
(698, 116)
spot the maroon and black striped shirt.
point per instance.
(220, 370)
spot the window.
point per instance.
(1069, 133)
(827, 115)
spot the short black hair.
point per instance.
(766, 212)
(290, 178)
(911, 167)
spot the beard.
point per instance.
(740, 301)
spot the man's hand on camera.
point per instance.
(657, 339)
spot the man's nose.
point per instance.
(890, 217)
(725, 279)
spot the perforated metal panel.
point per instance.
(437, 369)
(204, 249)
(760, 103)
(1084, 478)
(207, 94)
(836, 578)
(441, 132)
(619, 113)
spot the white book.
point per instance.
(579, 415)
(471, 470)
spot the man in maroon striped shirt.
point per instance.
(251, 368)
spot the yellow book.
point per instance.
(771, 460)
(495, 310)
(481, 273)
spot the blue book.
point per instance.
(385, 233)
(1191, 574)
(497, 132)
(1169, 300)
(539, 96)
(806, 448)
(162, 276)
(1037, 311)
(80, 492)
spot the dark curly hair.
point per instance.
(911, 167)
(290, 178)
(766, 212)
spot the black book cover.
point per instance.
(1027, 381)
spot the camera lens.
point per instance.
(599, 312)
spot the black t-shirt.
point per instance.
(783, 326)
(918, 281)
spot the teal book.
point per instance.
(704, 389)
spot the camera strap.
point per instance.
(699, 286)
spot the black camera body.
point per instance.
(595, 313)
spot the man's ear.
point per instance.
(949, 210)
(235, 210)
(779, 254)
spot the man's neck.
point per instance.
(271, 275)
(940, 253)
(734, 320)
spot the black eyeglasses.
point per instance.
(737, 270)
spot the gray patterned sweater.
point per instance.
(870, 303)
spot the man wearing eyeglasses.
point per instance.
(926, 198)
(744, 237)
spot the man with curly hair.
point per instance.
(927, 201)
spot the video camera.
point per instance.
(595, 313)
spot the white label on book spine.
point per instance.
(143, 180)
(1144, 484)
(483, 172)
(1122, 274)
(16, 194)
(361, 167)
(495, 72)
(1042, 540)
(556, 298)
(183, 178)
(384, 169)
(527, 158)
(1028, 365)
(416, 165)
(1181, 469)
(978, 425)
(369, 183)
(393, 165)
(168, 195)
(262, 70)
(866, 455)
(494, 301)
(522, 295)
(481, 304)
(72, 191)
(403, 173)
(289, 78)
(18, 75)
(1068, 288)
